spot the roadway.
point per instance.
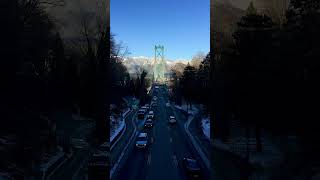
(169, 144)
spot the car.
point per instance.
(172, 120)
(191, 167)
(150, 115)
(154, 104)
(154, 98)
(157, 87)
(148, 123)
(142, 110)
(142, 140)
(141, 114)
(147, 106)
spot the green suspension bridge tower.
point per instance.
(158, 64)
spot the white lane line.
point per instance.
(134, 134)
(123, 131)
(170, 139)
(149, 159)
(151, 139)
(175, 161)
(195, 143)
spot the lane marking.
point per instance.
(125, 149)
(170, 139)
(149, 159)
(175, 161)
(151, 139)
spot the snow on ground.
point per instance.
(205, 124)
(116, 128)
(126, 112)
(117, 124)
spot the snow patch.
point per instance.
(205, 124)
(116, 129)
(125, 113)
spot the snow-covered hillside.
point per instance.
(137, 64)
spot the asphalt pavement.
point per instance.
(169, 145)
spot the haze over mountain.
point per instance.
(137, 64)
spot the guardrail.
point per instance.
(116, 139)
(116, 165)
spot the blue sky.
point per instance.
(182, 26)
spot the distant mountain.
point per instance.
(178, 68)
(137, 64)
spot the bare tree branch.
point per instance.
(53, 2)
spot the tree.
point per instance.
(251, 10)
(203, 75)
(301, 47)
(197, 59)
(188, 83)
(253, 41)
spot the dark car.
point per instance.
(191, 167)
(141, 114)
(172, 120)
(148, 123)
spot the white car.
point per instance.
(150, 115)
(172, 120)
(142, 140)
(144, 108)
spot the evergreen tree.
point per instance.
(188, 83)
(253, 43)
